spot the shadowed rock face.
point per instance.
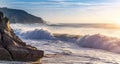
(12, 47)
(20, 16)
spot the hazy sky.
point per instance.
(70, 11)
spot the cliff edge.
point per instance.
(12, 48)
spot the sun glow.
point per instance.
(117, 23)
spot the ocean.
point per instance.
(73, 43)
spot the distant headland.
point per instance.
(20, 16)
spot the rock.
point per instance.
(21, 16)
(1, 15)
(4, 54)
(25, 54)
(12, 47)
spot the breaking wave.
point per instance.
(37, 34)
(96, 41)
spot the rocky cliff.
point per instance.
(12, 47)
(20, 16)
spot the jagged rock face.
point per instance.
(12, 47)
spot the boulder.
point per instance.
(12, 47)
(4, 54)
(25, 54)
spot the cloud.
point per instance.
(4, 3)
(60, 4)
(70, 10)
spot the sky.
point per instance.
(69, 11)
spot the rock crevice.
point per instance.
(5, 47)
(12, 47)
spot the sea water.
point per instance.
(95, 43)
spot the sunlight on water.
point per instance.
(85, 29)
(104, 48)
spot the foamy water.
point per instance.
(86, 48)
(75, 30)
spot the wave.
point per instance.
(37, 34)
(67, 37)
(96, 41)
(40, 34)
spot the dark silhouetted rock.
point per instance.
(20, 16)
(12, 47)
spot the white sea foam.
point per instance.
(38, 34)
(96, 41)
(75, 49)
